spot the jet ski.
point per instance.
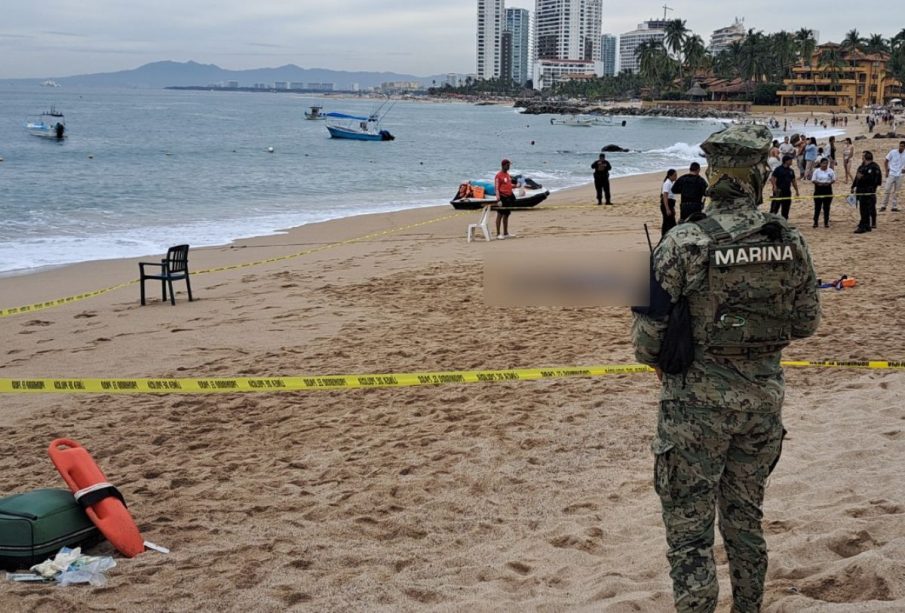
(474, 195)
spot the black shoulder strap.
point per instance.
(714, 230)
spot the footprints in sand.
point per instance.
(850, 544)
(876, 508)
(37, 322)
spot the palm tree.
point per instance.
(674, 40)
(695, 53)
(898, 40)
(783, 45)
(729, 63)
(654, 64)
(755, 60)
(676, 33)
(852, 41)
(876, 44)
(831, 59)
(896, 63)
(804, 38)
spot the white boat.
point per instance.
(358, 127)
(50, 83)
(580, 121)
(49, 125)
(315, 112)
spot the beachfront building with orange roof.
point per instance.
(840, 78)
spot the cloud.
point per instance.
(424, 38)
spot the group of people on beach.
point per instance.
(817, 165)
(865, 183)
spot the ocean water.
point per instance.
(145, 169)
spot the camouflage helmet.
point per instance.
(738, 154)
(738, 145)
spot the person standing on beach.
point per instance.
(832, 154)
(823, 179)
(848, 151)
(692, 187)
(895, 165)
(786, 148)
(602, 170)
(810, 158)
(867, 179)
(505, 197)
(668, 203)
(799, 155)
(747, 279)
(783, 180)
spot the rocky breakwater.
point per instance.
(540, 107)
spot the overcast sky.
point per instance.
(48, 38)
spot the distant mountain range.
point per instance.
(164, 74)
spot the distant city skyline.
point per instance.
(56, 38)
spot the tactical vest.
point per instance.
(750, 298)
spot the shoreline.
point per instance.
(292, 236)
(851, 131)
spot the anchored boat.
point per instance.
(315, 112)
(580, 121)
(49, 125)
(358, 127)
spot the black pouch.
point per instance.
(35, 525)
(677, 349)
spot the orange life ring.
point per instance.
(102, 502)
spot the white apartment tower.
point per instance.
(630, 41)
(567, 29)
(722, 38)
(491, 22)
(566, 40)
(518, 23)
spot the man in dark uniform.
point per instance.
(602, 170)
(783, 180)
(746, 280)
(867, 179)
(692, 188)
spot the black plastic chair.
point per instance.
(174, 267)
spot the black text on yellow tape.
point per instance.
(223, 385)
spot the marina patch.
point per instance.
(740, 255)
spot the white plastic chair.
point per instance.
(484, 226)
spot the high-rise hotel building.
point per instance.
(566, 40)
(608, 54)
(518, 24)
(651, 30)
(491, 23)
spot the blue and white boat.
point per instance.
(355, 127)
(49, 125)
(358, 127)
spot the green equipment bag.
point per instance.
(35, 525)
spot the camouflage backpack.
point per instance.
(750, 300)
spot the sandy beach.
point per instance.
(482, 497)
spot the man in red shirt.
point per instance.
(504, 197)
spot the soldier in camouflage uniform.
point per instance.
(751, 289)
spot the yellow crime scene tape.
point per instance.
(229, 385)
(40, 306)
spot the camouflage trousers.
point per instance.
(708, 460)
